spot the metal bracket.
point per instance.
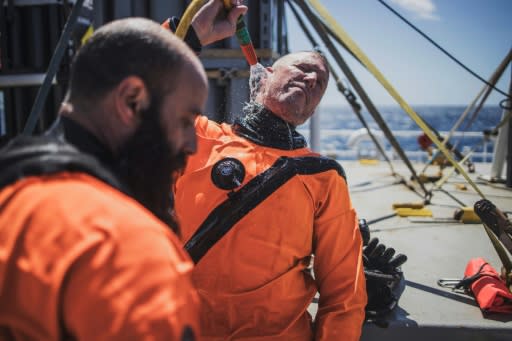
(226, 74)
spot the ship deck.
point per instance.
(437, 247)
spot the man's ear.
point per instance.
(131, 96)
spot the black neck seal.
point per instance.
(263, 127)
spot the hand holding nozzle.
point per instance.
(211, 22)
(244, 39)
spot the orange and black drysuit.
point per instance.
(79, 259)
(253, 282)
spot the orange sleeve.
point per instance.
(137, 289)
(338, 266)
(191, 38)
(208, 129)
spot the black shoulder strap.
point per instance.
(38, 155)
(241, 202)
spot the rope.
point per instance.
(376, 220)
(448, 145)
(442, 49)
(339, 41)
(450, 172)
(500, 250)
(464, 114)
(359, 89)
(461, 203)
(478, 109)
(494, 80)
(347, 93)
(378, 75)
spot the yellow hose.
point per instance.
(186, 19)
(191, 10)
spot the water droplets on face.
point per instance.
(258, 73)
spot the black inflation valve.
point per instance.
(228, 173)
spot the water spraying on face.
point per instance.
(258, 73)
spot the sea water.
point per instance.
(338, 123)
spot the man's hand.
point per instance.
(213, 22)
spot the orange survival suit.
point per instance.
(254, 283)
(81, 260)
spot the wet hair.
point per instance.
(315, 52)
(129, 47)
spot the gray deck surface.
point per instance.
(435, 250)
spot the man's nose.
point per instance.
(311, 79)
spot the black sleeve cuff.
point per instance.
(190, 38)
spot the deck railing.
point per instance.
(334, 143)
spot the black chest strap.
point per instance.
(240, 203)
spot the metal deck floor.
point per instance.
(435, 250)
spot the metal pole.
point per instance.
(314, 132)
(42, 94)
(280, 21)
(509, 149)
(495, 77)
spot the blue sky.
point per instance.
(477, 32)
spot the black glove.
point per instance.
(384, 278)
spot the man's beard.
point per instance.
(147, 163)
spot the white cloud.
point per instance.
(425, 9)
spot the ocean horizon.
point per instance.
(339, 127)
